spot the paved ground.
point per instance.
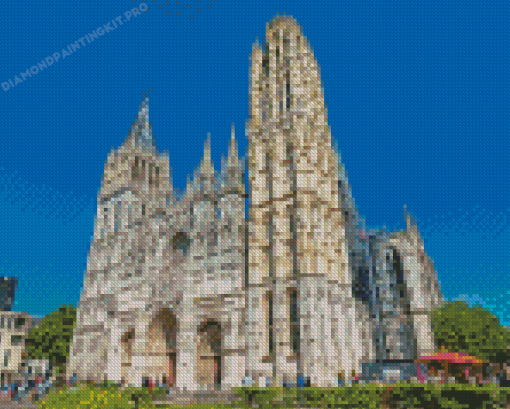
(187, 398)
(16, 405)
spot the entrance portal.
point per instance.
(209, 355)
(126, 354)
(162, 347)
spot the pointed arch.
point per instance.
(162, 346)
(209, 355)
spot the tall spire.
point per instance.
(141, 131)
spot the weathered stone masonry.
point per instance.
(187, 291)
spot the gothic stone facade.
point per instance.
(184, 289)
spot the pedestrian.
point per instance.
(340, 379)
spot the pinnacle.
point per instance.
(232, 172)
(410, 220)
(207, 148)
(207, 165)
(232, 154)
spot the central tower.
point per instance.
(297, 247)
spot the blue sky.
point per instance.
(417, 98)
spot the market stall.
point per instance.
(444, 365)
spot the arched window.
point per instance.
(136, 173)
(117, 217)
(268, 311)
(153, 175)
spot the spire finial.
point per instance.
(143, 112)
(141, 132)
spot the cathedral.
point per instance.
(185, 290)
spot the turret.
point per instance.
(231, 203)
(203, 183)
(296, 229)
(201, 197)
(230, 214)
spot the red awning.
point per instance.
(451, 357)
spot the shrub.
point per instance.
(89, 396)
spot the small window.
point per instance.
(136, 171)
(19, 322)
(151, 173)
(16, 340)
(2, 323)
(7, 355)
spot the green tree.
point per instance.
(474, 330)
(51, 339)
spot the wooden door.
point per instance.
(172, 366)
